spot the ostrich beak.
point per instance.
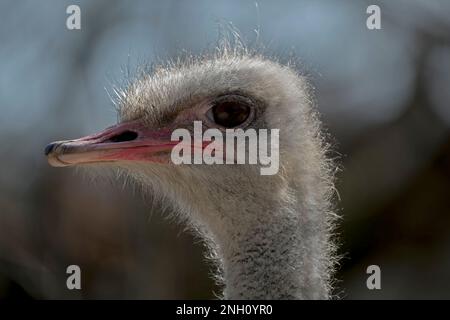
(130, 141)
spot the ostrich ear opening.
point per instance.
(130, 141)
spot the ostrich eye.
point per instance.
(230, 112)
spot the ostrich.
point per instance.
(271, 235)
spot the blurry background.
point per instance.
(384, 96)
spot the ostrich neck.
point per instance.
(278, 256)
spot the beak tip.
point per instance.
(52, 158)
(49, 148)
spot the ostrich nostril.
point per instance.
(50, 147)
(124, 136)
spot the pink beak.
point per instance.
(122, 142)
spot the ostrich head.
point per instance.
(269, 233)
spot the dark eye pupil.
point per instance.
(230, 114)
